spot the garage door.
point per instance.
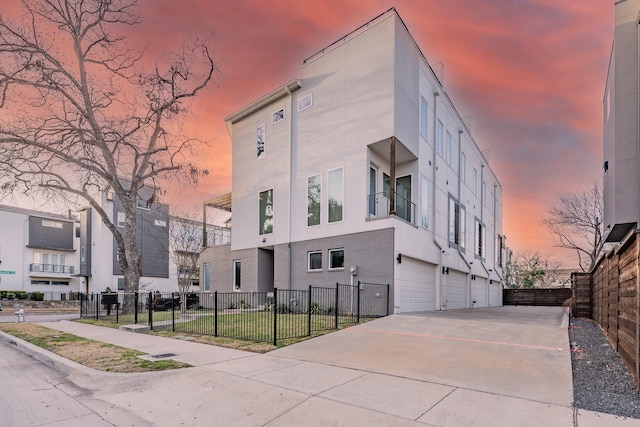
(495, 294)
(454, 290)
(479, 292)
(416, 281)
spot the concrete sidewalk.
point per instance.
(400, 370)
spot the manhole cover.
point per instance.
(163, 356)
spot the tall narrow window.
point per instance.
(404, 207)
(475, 181)
(313, 199)
(336, 194)
(373, 177)
(440, 138)
(463, 167)
(260, 140)
(266, 212)
(237, 270)
(206, 276)
(479, 239)
(449, 148)
(500, 251)
(484, 193)
(463, 227)
(424, 108)
(121, 219)
(424, 202)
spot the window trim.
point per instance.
(341, 168)
(319, 201)
(313, 270)
(276, 118)
(307, 96)
(261, 229)
(331, 259)
(206, 276)
(261, 132)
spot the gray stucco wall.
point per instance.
(44, 237)
(371, 251)
(221, 259)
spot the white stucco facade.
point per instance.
(324, 166)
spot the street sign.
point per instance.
(7, 272)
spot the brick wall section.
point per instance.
(609, 294)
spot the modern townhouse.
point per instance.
(362, 170)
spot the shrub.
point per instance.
(37, 296)
(238, 304)
(3, 294)
(11, 295)
(316, 308)
(22, 295)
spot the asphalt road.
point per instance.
(32, 393)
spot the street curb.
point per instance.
(59, 363)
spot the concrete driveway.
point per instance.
(520, 352)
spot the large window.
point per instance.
(314, 261)
(500, 251)
(336, 194)
(424, 199)
(260, 140)
(440, 138)
(237, 275)
(313, 199)
(266, 212)
(424, 108)
(336, 259)
(449, 148)
(206, 276)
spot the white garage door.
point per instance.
(454, 290)
(416, 281)
(495, 294)
(479, 292)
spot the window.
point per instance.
(500, 254)
(206, 276)
(237, 273)
(120, 284)
(313, 199)
(60, 283)
(336, 259)
(424, 196)
(160, 223)
(484, 193)
(82, 254)
(373, 189)
(305, 102)
(475, 181)
(404, 207)
(266, 212)
(449, 148)
(278, 115)
(479, 238)
(440, 141)
(463, 227)
(40, 282)
(336, 195)
(77, 231)
(424, 108)
(457, 223)
(260, 140)
(121, 219)
(463, 167)
(314, 261)
(51, 224)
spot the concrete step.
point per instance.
(135, 328)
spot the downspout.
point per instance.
(468, 285)
(435, 238)
(291, 131)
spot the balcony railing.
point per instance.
(218, 235)
(380, 207)
(51, 268)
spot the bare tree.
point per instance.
(79, 117)
(576, 223)
(531, 269)
(185, 245)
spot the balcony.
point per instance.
(218, 235)
(50, 269)
(380, 207)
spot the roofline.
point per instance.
(267, 99)
(34, 213)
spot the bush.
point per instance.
(22, 295)
(37, 296)
(3, 294)
(238, 304)
(11, 295)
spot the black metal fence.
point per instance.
(257, 316)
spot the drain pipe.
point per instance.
(291, 135)
(436, 94)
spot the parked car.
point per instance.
(164, 303)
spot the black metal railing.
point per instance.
(380, 207)
(51, 268)
(256, 316)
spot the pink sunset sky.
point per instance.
(531, 73)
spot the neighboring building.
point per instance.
(622, 126)
(38, 252)
(99, 265)
(362, 169)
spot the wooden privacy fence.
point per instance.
(546, 297)
(609, 295)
